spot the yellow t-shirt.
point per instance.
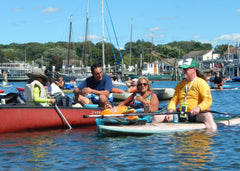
(198, 95)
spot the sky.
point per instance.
(160, 21)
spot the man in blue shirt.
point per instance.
(96, 89)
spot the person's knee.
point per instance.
(158, 118)
(103, 100)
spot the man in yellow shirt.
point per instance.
(193, 93)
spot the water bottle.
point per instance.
(136, 101)
(175, 118)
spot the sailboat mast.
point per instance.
(151, 48)
(69, 43)
(103, 55)
(25, 56)
(85, 42)
(228, 52)
(131, 43)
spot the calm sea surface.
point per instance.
(81, 149)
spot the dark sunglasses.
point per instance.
(140, 84)
(187, 68)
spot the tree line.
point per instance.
(55, 53)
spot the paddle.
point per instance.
(144, 114)
(223, 113)
(129, 114)
(65, 120)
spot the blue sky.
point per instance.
(207, 21)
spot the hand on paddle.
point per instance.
(108, 106)
(52, 101)
(195, 110)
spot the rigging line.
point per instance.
(111, 43)
(114, 31)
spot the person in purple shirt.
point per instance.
(96, 89)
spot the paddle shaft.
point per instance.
(65, 120)
(128, 114)
(144, 114)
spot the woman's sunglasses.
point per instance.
(141, 84)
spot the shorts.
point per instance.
(190, 118)
(95, 98)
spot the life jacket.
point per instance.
(28, 92)
(129, 120)
(120, 110)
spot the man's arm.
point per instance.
(78, 90)
(100, 92)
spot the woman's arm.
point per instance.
(127, 101)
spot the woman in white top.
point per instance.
(53, 89)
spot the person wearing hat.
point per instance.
(132, 85)
(192, 94)
(34, 90)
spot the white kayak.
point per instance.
(159, 128)
(117, 83)
(162, 94)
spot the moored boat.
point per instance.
(159, 128)
(118, 83)
(16, 118)
(16, 71)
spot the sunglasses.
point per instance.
(141, 84)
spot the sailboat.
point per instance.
(72, 72)
(81, 73)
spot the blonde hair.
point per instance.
(148, 82)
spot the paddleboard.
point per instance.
(217, 89)
(158, 128)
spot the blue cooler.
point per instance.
(68, 85)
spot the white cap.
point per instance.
(135, 79)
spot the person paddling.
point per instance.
(218, 81)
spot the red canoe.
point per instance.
(23, 118)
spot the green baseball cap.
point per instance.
(189, 62)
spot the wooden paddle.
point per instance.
(65, 120)
(154, 113)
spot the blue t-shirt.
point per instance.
(104, 84)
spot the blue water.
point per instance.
(81, 149)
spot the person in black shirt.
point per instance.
(218, 81)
